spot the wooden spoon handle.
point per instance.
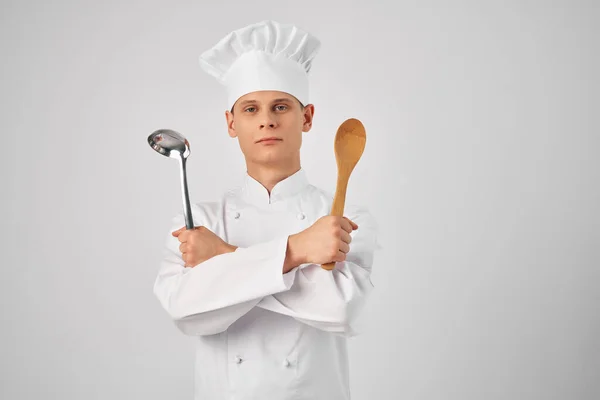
(339, 201)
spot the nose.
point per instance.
(268, 119)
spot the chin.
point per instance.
(271, 155)
(270, 159)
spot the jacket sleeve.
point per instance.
(332, 300)
(208, 298)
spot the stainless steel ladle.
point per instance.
(172, 144)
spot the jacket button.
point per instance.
(286, 363)
(301, 216)
(238, 359)
(236, 215)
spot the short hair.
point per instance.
(299, 102)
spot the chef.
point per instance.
(267, 321)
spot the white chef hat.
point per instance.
(263, 56)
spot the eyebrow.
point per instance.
(283, 99)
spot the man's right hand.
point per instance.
(327, 240)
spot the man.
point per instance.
(247, 283)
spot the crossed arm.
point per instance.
(207, 299)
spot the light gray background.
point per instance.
(480, 165)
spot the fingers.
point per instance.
(344, 247)
(346, 238)
(188, 259)
(345, 224)
(354, 225)
(341, 256)
(348, 225)
(183, 257)
(182, 236)
(183, 233)
(183, 228)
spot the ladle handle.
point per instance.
(187, 211)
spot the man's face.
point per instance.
(263, 114)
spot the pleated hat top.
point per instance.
(267, 55)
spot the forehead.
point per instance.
(264, 96)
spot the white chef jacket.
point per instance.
(258, 333)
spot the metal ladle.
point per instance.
(172, 144)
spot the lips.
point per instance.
(268, 138)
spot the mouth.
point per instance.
(269, 140)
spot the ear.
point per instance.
(309, 111)
(230, 124)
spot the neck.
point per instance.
(270, 175)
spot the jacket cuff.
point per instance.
(271, 255)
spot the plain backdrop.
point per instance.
(480, 167)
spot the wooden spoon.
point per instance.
(349, 145)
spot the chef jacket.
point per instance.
(259, 333)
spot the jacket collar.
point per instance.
(255, 193)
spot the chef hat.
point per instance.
(263, 56)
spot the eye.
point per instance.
(248, 108)
(281, 105)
